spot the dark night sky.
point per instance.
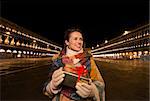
(99, 21)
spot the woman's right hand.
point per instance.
(57, 77)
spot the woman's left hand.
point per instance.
(84, 90)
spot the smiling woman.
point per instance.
(74, 75)
(73, 39)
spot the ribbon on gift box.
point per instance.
(80, 70)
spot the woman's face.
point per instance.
(75, 41)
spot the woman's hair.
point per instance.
(69, 31)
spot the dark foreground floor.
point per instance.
(124, 82)
(27, 84)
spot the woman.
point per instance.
(76, 60)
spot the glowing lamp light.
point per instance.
(14, 51)
(106, 41)
(8, 33)
(2, 50)
(126, 32)
(8, 51)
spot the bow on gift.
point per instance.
(81, 70)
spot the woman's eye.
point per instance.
(75, 38)
(78, 39)
(81, 39)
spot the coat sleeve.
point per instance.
(98, 82)
(52, 68)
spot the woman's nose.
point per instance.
(79, 41)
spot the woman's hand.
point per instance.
(58, 77)
(84, 90)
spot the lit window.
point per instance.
(8, 51)
(14, 51)
(2, 50)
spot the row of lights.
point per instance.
(124, 48)
(130, 39)
(22, 44)
(31, 37)
(130, 55)
(24, 52)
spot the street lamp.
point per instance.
(126, 32)
(106, 41)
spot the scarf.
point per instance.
(70, 52)
(76, 63)
(72, 62)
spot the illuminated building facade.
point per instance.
(132, 44)
(18, 42)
